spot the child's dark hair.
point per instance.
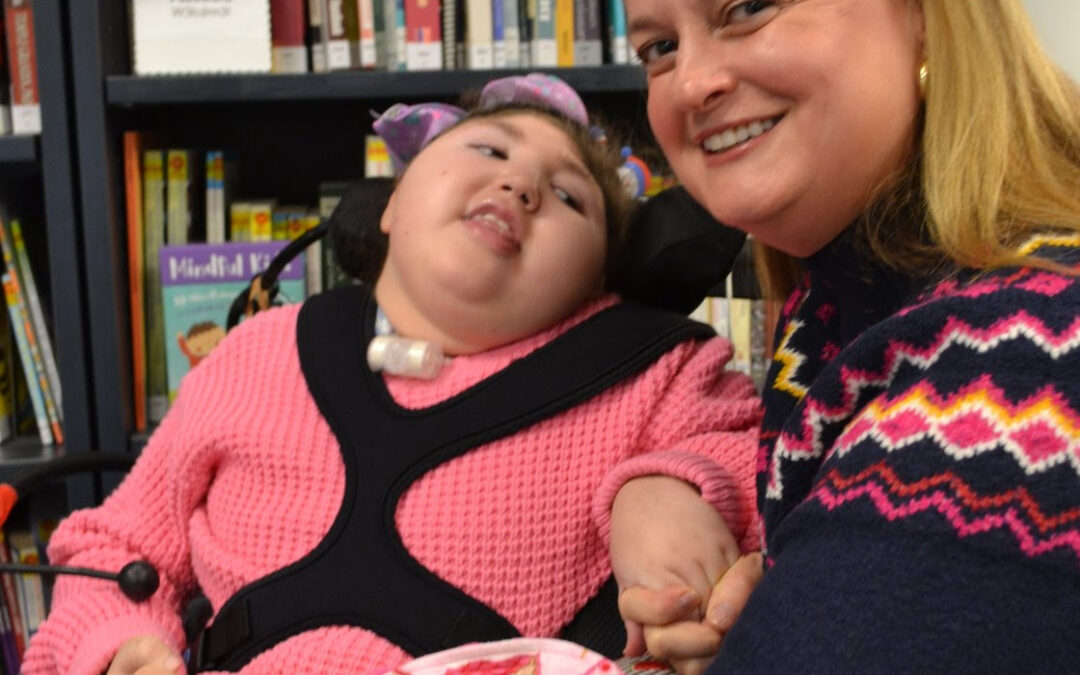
(361, 247)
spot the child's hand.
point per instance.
(145, 655)
(689, 646)
(664, 535)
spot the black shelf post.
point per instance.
(61, 217)
(93, 22)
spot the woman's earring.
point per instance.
(924, 74)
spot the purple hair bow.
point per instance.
(406, 129)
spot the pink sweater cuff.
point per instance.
(98, 647)
(717, 487)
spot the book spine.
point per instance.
(38, 375)
(11, 600)
(262, 221)
(423, 39)
(498, 34)
(338, 55)
(5, 79)
(215, 196)
(448, 16)
(526, 20)
(618, 47)
(512, 33)
(7, 639)
(564, 33)
(132, 144)
(26, 552)
(365, 12)
(352, 30)
(22, 61)
(591, 51)
(479, 35)
(313, 256)
(545, 50)
(41, 416)
(154, 239)
(7, 380)
(37, 316)
(287, 27)
(177, 202)
(316, 43)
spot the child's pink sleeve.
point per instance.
(703, 430)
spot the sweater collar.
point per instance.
(863, 289)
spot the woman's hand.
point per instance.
(146, 655)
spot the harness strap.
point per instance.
(361, 574)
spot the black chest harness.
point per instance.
(360, 574)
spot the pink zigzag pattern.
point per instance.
(953, 514)
(816, 415)
(1040, 431)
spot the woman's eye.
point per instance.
(741, 12)
(569, 199)
(651, 51)
(489, 150)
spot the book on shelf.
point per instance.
(314, 41)
(32, 339)
(618, 46)
(545, 49)
(153, 187)
(423, 35)
(564, 33)
(31, 592)
(217, 196)
(184, 194)
(7, 379)
(288, 27)
(11, 603)
(22, 66)
(588, 45)
(37, 314)
(199, 283)
(511, 33)
(133, 204)
(335, 36)
(367, 52)
(5, 80)
(498, 35)
(330, 193)
(33, 382)
(478, 34)
(224, 36)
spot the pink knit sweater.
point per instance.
(244, 477)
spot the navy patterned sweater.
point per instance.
(919, 475)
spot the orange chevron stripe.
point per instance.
(1046, 404)
(961, 489)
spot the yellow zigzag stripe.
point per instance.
(785, 379)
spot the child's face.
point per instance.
(497, 230)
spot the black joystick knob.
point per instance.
(138, 580)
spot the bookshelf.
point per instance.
(299, 129)
(37, 177)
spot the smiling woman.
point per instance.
(915, 163)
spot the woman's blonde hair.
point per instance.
(998, 158)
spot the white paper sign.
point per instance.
(201, 36)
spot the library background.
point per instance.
(148, 170)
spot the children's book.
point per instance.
(199, 283)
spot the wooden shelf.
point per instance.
(130, 90)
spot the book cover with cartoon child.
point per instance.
(198, 285)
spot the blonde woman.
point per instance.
(912, 172)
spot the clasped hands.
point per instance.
(682, 578)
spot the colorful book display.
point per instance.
(199, 283)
